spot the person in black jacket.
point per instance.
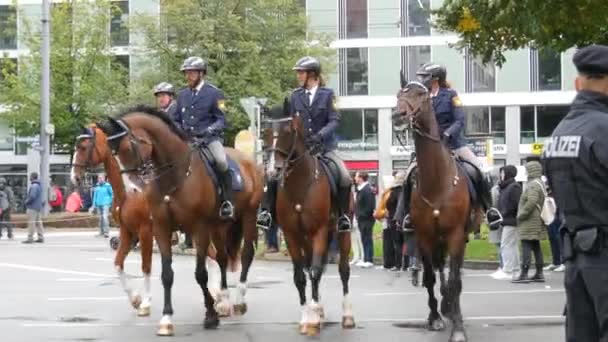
(364, 208)
(397, 236)
(508, 202)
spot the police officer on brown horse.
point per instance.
(316, 106)
(200, 113)
(165, 98)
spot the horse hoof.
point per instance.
(211, 322)
(348, 322)
(136, 301)
(313, 329)
(165, 330)
(302, 328)
(437, 325)
(223, 309)
(458, 336)
(240, 309)
(143, 311)
(320, 311)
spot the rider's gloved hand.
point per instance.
(445, 137)
(316, 139)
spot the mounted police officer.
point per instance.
(316, 106)
(200, 113)
(165, 98)
(576, 164)
(450, 119)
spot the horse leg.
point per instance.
(299, 278)
(202, 245)
(145, 245)
(443, 288)
(222, 304)
(163, 239)
(456, 248)
(124, 248)
(319, 253)
(348, 320)
(435, 323)
(250, 236)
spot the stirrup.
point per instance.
(344, 224)
(264, 220)
(227, 206)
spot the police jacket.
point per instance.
(202, 114)
(576, 162)
(450, 116)
(321, 117)
(171, 110)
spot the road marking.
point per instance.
(112, 260)
(54, 270)
(286, 322)
(379, 294)
(61, 234)
(77, 299)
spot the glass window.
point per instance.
(418, 17)
(547, 118)
(371, 126)
(8, 27)
(119, 30)
(549, 70)
(121, 64)
(356, 71)
(527, 127)
(356, 19)
(8, 66)
(406, 139)
(358, 129)
(6, 138)
(497, 124)
(484, 76)
(351, 125)
(417, 56)
(500, 162)
(477, 121)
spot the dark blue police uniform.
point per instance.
(201, 114)
(576, 164)
(320, 117)
(450, 117)
(171, 110)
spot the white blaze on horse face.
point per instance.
(73, 169)
(126, 181)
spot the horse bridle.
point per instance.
(412, 122)
(91, 149)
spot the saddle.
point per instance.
(477, 183)
(233, 166)
(332, 172)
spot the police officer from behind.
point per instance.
(576, 164)
(316, 106)
(450, 119)
(165, 98)
(200, 113)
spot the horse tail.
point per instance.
(234, 239)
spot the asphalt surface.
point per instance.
(65, 290)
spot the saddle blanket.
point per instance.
(233, 166)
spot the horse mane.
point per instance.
(162, 116)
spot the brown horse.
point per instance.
(306, 215)
(440, 206)
(160, 159)
(129, 209)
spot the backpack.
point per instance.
(547, 212)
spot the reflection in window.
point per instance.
(119, 31)
(8, 27)
(351, 125)
(548, 117)
(356, 71)
(497, 124)
(356, 18)
(371, 126)
(549, 70)
(527, 125)
(358, 129)
(416, 57)
(418, 17)
(484, 77)
(477, 121)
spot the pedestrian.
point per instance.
(530, 224)
(6, 203)
(355, 234)
(553, 233)
(74, 203)
(396, 231)
(55, 198)
(576, 163)
(272, 238)
(34, 207)
(381, 214)
(366, 202)
(508, 206)
(102, 200)
(495, 233)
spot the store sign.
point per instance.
(399, 151)
(349, 145)
(500, 149)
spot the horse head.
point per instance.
(413, 108)
(89, 151)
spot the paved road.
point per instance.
(64, 290)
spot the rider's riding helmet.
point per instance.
(308, 64)
(164, 87)
(429, 72)
(194, 63)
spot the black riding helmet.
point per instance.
(429, 72)
(308, 64)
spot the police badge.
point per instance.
(221, 105)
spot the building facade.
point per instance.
(515, 106)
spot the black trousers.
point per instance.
(587, 297)
(388, 248)
(528, 246)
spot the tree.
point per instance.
(488, 28)
(86, 81)
(250, 47)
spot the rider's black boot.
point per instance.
(227, 208)
(344, 223)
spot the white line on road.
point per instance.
(370, 320)
(77, 299)
(54, 270)
(60, 234)
(379, 294)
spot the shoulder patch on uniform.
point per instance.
(456, 101)
(334, 102)
(221, 104)
(565, 146)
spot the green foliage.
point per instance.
(488, 28)
(82, 72)
(250, 47)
